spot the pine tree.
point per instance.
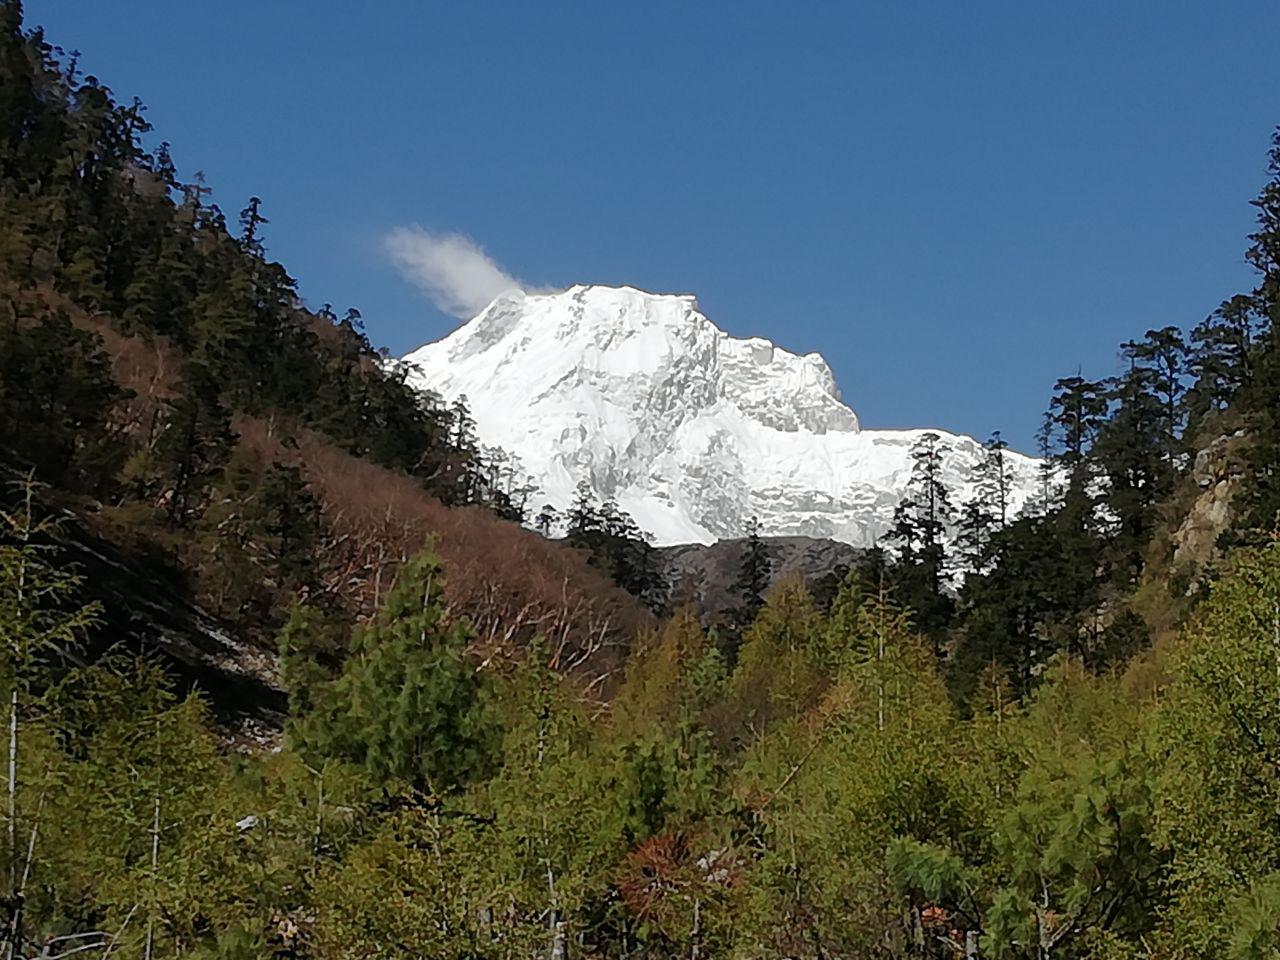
(1259, 515)
(987, 513)
(583, 519)
(42, 622)
(754, 573)
(1076, 413)
(547, 520)
(312, 648)
(57, 396)
(251, 221)
(922, 521)
(409, 706)
(1221, 359)
(194, 444)
(1135, 452)
(289, 515)
(1048, 470)
(997, 479)
(1162, 359)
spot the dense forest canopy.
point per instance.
(1053, 734)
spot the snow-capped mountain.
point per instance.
(691, 430)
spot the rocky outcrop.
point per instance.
(705, 574)
(146, 608)
(1216, 473)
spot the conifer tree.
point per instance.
(57, 397)
(754, 573)
(194, 444)
(290, 518)
(583, 519)
(1221, 355)
(547, 520)
(921, 524)
(985, 514)
(1259, 513)
(312, 648)
(409, 705)
(42, 622)
(1162, 358)
(1048, 470)
(1076, 412)
(615, 543)
(1135, 452)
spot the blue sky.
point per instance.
(954, 203)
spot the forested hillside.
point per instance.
(160, 376)
(1055, 734)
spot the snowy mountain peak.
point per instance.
(599, 336)
(691, 430)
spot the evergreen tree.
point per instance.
(409, 706)
(1075, 415)
(194, 444)
(290, 517)
(614, 543)
(1221, 359)
(583, 520)
(985, 514)
(312, 649)
(1161, 361)
(1135, 453)
(1259, 513)
(922, 521)
(42, 622)
(547, 520)
(56, 399)
(754, 573)
(1048, 470)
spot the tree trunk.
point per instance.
(15, 907)
(695, 951)
(155, 856)
(559, 946)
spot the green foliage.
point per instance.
(409, 705)
(312, 647)
(1260, 393)
(1218, 733)
(56, 398)
(921, 523)
(614, 543)
(928, 872)
(1255, 920)
(753, 574)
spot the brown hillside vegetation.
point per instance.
(511, 584)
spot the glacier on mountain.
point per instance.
(690, 430)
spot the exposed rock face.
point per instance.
(147, 609)
(1217, 472)
(705, 574)
(692, 431)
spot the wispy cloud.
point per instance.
(451, 269)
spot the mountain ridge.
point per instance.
(692, 431)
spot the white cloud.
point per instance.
(451, 269)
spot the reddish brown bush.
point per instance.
(667, 878)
